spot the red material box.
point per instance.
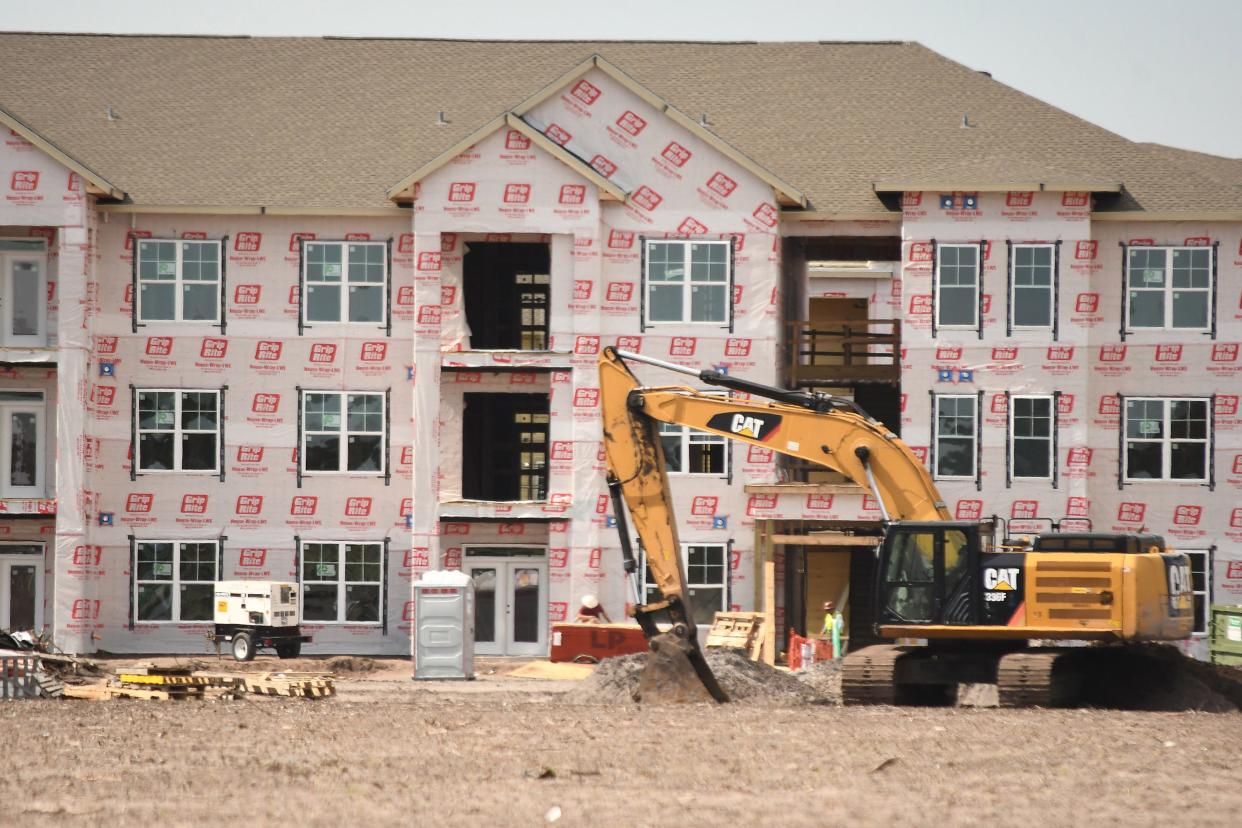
(586, 643)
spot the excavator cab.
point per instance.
(929, 573)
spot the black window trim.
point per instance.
(385, 324)
(223, 310)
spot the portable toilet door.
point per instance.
(444, 626)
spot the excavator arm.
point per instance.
(827, 431)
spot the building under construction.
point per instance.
(328, 310)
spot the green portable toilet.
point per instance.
(1225, 641)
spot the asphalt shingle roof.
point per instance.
(332, 123)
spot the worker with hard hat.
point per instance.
(591, 612)
(833, 625)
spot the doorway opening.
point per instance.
(507, 289)
(504, 447)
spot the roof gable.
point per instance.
(96, 184)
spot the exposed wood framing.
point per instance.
(828, 540)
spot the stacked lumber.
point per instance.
(308, 685)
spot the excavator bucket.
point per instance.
(677, 673)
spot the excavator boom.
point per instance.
(827, 431)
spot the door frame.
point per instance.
(504, 644)
(39, 489)
(39, 561)
(7, 339)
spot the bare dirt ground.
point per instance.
(510, 751)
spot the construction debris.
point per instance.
(147, 681)
(746, 681)
(737, 630)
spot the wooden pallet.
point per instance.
(309, 685)
(738, 631)
(159, 679)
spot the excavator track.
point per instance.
(1037, 678)
(867, 676)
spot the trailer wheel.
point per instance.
(243, 647)
(289, 649)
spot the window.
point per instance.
(1166, 439)
(1169, 287)
(342, 432)
(688, 281)
(178, 281)
(689, 451)
(174, 580)
(22, 444)
(707, 582)
(342, 582)
(504, 448)
(1033, 281)
(957, 286)
(23, 293)
(956, 436)
(1031, 423)
(345, 282)
(1200, 579)
(178, 430)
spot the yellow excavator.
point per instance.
(988, 613)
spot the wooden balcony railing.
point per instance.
(845, 353)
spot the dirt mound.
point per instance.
(824, 677)
(1160, 677)
(748, 682)
(351, 664)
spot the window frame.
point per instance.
(1168, 290)
(343, 434)
(179, 282)
(175, 581)
(1167, 440)
(1202, 618)
(39, 489)
(940, 286)
(342, 583)
(303, 291)
(177, 431)
(937, 437)
(1013, 435)
(688, 283)
(726, 574)
(1013, 285)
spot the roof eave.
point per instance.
(96, 184)
(1016, 185)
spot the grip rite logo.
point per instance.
(1075, 199)
(268, 350)
(572, 194)
(461, 191)
(213, 348)
(139, 502)
(704, 505)
(517, 193)
(620, 291)
(1024, 509)
(159, 345)
(248, 505)
(1015, 199)
(676, 154)
(586, 92)
(373, 352)
(647, 198)
(721, 184)
(247, 294)
(252, 558)
(921, 252)
(248, 242)
(265, 403)
(358, 507)
(631, 123)
(296, 239)
(603, 166)
(250, 454)
(558, 134)
(969, 509)
(193, 504)
(303, 505)
(24, 181)
(515, 140)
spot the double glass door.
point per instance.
(510, 600)
(21, 587)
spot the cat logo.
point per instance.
(755, 426)
(1001, 580)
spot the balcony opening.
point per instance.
(504, 447)
(507, 286)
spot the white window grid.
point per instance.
(958, 269)
(343, 564)
(372, 424)
(698, 560)
(349, 267)
(177, 429)
(183, 263)
(1026, 424)
(699, 268)
(953, 423)
(1172, 273)
(1033, 273)
(685, 438)
(1201, 570)
(1162, 428)
(168, 562)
